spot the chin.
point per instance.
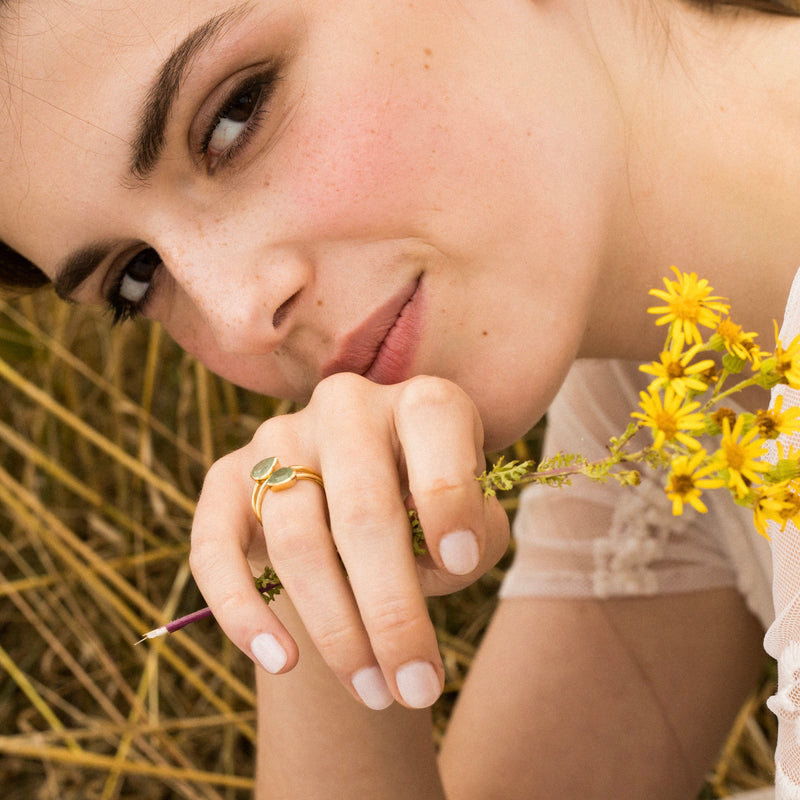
(499, 436)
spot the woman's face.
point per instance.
(298, 187)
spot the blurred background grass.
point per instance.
(105, 438)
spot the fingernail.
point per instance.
(372, 689)
(418, 684)
(269, 653)
(459, 552)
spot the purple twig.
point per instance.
(201, 613)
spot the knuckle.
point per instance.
(230, 605)
(220, 472)
(334, 636)
(443, 488)
(392, 618)
(425, 392)
(277, 427)
(336, 388)
(365, 511)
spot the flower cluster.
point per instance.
(701, 443)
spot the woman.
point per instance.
(416, 217)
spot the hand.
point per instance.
(344, 555)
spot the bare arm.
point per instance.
(318, 743)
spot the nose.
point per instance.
(248, 301)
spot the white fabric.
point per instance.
(783, 637)
(604, 540)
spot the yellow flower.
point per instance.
(740, 456)
(723, 412)
(669, 418)
(736, 342)
(775, 421)
(779, 503)
(689, 304)
(675, 369)
(787, 362)
(687, 478)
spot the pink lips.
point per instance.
(382, 347)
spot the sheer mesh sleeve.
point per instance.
(783, 637)
(628, 541)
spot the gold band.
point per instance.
(270, 476)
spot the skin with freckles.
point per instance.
(413, 218)
(372, 165)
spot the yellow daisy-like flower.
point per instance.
(737, 342)
(787, 361)
(775, 421)
(740, 455)
(687, 477)
(779, 503)
(670, 418)
(689, 303)
(676, 370)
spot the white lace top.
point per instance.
(783, 637)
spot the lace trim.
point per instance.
(638, 538)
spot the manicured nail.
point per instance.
(418, 684)
(459, 552)
(269, 653)
(372, 689)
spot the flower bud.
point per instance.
(733, 364)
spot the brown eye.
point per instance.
(137, 275)
(243, 106)
(233, 121)
(133, 285)
(238, 117)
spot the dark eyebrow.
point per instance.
(77, 267)
(148, 141)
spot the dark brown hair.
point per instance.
(17, 273)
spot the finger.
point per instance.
(442, 440)
(372, 534)
(303, 554)
(222, 527)
(497, 536)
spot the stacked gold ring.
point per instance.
(270, 476)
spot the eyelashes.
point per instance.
(133, 285)
(230, 129)
(238, 118)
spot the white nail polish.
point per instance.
(372, 689)
(418, 684)
(269, 653)
(459, 552)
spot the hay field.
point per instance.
(105, 438)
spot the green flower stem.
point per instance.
(715, 398)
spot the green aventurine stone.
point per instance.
(263, 468)
(282, 475)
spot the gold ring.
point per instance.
(270, 476)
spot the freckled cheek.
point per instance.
(357, 164)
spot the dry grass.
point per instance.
(102, 457)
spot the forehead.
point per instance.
(73, 79)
